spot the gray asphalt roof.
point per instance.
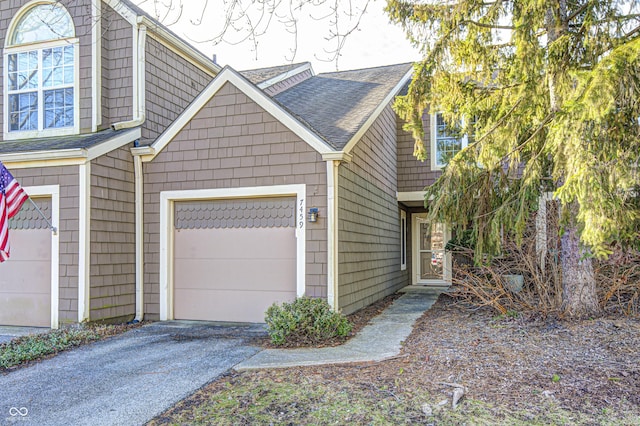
(336, 105)
(59, 142)
(261, 75)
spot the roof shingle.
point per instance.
(336, 105)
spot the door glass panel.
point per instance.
(431, 266)
(431, 251)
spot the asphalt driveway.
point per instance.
(125, 380)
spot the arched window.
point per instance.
(41, 73)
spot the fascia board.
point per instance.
(367, 124)
(228, 75)
(285, 75)
(338, 156)
(38, 158)
(410, 196)
(123, 10)
(113, 143)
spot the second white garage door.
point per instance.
(233, 258)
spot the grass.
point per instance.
(35, 347)
(248, 399)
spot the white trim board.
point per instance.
(167, 200)
(53, 192)
(285, 75)
(84, 242)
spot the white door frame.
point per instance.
(53, 192)
(416, 218)
(167, 200)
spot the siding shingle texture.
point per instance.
(29, 218)
(414, 175)
(117, 68)
(369, 219)
(172, 83)
(112, 236)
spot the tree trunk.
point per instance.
(579, 296)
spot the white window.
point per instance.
(41, 73)
(445, 143)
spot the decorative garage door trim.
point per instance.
(236, 196)
(52, 192)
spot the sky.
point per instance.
(376, 41)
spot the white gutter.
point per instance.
(96, 64)
(332, 233)
(139, 76)
(139, 196)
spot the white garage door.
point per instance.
(233, 258)
(25, 278)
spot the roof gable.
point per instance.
(228, 75)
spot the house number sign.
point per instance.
(301, 213)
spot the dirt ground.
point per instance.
(516, 363)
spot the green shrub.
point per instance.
(305, 321)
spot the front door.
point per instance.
(432, 265)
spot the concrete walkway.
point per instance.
(380, 340)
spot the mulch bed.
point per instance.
(587, 365)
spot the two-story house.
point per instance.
(182, 190)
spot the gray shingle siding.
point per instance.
(112, 236)
(117, 68)
(414, 175)
(369, 219)
(172, 83)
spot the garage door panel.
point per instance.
(245, 243)
(31, 309)
(221, 305)
(234, 275)
(233, 258)
(30, 245)
(25, 278)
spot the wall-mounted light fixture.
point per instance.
(313, 214)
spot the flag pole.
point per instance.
(53, 228)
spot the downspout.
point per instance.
(139, 107)
(84, 242)
(332, 233)
(139, 196)
(96, 64)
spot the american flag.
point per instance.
(12, 196)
